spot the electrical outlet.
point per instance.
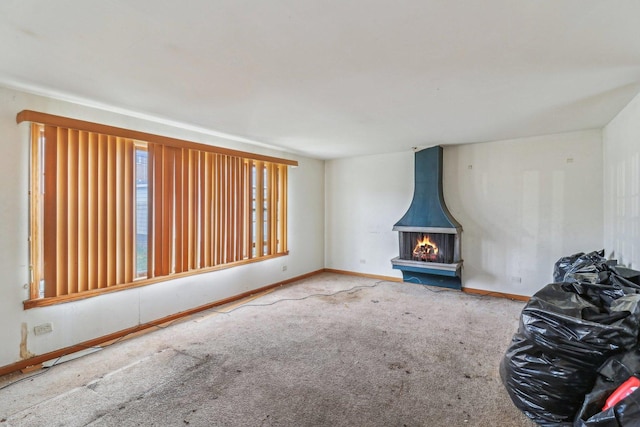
(363, 261)
(45, 328)
(284, 268)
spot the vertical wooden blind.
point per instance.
(87, 210)
(204, 209)
(201, 214)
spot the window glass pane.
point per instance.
(142, 211)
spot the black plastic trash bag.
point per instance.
(615, 371)
(567, 330)
(629, 275)
(541, 385)
(586, 268)
(563, 265)
(560, 318)
(595, 269)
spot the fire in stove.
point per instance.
(425, 250)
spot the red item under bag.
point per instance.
(625, 389)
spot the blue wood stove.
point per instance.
(429, 236)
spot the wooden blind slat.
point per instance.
(217, 197)
(267, 202)
(285, 210)
(282, 208)
(159, 210)
(228, 215)
(207, 230)
(248, 236)
(103, 210)
(259, 242)
(112, 250)
(35, 224)
(72, 220)
(119, 226)
(158, 200)
(168, 212)
(273, 207)
(62, 225)
(50, 215)
(129, 210)
(179, 204)
(151, 206)
(83, 211)
(194, 162)
(237, 179)
(92, 202)
(161, 250)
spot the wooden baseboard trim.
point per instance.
(484, 292)
(369, 276)
(38, 360)
(466, 290)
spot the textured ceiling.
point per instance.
(330, 78)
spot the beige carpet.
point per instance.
(373, 354)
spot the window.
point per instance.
(113, 208)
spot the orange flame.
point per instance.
(425, 248)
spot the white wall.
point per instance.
(365, 196)
(621, 140)
(522, 203)
(78, 321)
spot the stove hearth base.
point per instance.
(432, 274)
(432, 280)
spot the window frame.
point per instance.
(273, 202)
